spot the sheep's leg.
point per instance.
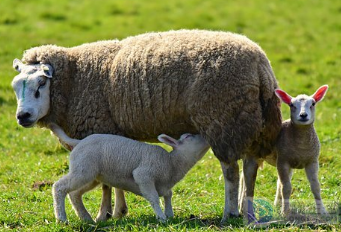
(250, 168)
(312, 174)
(120, 207)
(284, 173)
(105, 211)
(279, 196)
(77, 203)
(241, 192)
(231, 178)
(65, 185)
(168, 204)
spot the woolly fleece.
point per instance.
(219, 84)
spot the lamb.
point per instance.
(141, 168)
(298, 147)
(217, 84)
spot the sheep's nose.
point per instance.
(23, 116)
(303, 115)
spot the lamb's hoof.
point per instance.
(62, 221)
(251, 218)
(162, 220)
(323, 212)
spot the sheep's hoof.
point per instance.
(224, 219)
(103, 217)
(121, 213)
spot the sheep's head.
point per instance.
(32, 89)
(302, 107)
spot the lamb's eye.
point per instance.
(313, 104)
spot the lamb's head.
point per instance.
(302, 107)
(32, 89)
(189, 145)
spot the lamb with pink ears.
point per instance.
(298, 147)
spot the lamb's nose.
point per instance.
(23, 116)
(303, 115)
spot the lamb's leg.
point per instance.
(231, 178)
(120, 208)
(65, 185)
(77, 203)
(168, 204)
(148, 191)
(250, 167)
(284, 173)
(279, 197)
(312, 174)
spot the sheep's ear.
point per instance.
(17, 64)
(286, 98)
(320, 93)
(47, 69)
(168, 140)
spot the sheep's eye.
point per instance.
(37, 94)
(313, 104)
(291, 105)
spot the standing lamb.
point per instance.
(297, 147)
(141, 168)
(218, 84)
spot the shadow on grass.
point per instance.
(149, 223)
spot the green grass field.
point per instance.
(301, 38)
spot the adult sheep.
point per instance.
(218, 84)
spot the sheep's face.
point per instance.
(302, 107)
(32, 89)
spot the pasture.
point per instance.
(302, 39)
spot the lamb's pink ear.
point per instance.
(320, 93)
(286, 98)
(168, 140)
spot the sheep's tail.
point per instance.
(59, 132)
(272, 118)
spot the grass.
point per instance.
(301, 38)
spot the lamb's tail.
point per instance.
(59, 132)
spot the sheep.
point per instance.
(297, 147)
(141, 168)
(213, 83)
